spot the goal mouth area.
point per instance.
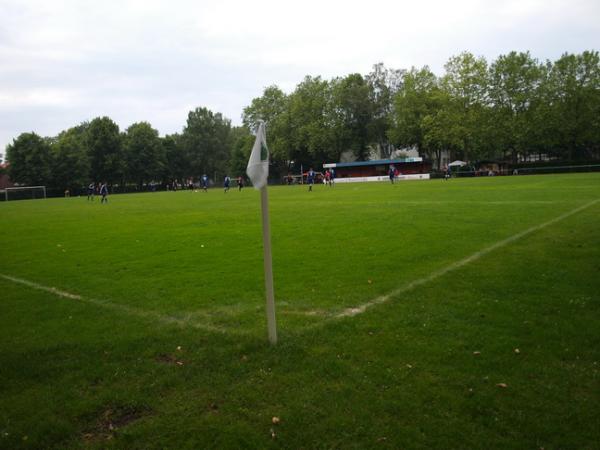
(24, 193)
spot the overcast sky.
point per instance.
(64, 62)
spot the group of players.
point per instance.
(101, 189)
(97, 188)
(328, 178)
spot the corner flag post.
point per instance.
(258, 171)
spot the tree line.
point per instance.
(510, 109)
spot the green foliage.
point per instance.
(415, 100)
(105, 147)
(515, 93)
(383, 86)
(177, 164)
(266, 108)
(30, 160)
(145, 156)
(71, 162)
(206, 142)
(242, 146)
(574, 89)
(353, 114)
(465, 82)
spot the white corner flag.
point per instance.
(258, 164)
(258, 171)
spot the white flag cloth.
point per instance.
(258, 164)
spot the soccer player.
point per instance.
(392, 173)
(310, 179)
(91, 189)
(240, 182)
(226, 183)
(104, 193)
(204, 182)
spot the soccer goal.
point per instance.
(25, 193)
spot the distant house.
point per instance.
(4, 180)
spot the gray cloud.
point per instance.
(65, 62)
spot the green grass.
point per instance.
(167, 270)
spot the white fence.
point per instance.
(418, 176)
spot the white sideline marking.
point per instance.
(169, 320)
(438, 273)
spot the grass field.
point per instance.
(459, 314)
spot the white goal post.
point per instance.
(24, 192)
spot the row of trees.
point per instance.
(99, 151)
(512, 108)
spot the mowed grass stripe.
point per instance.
(349, 312)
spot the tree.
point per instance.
(515, 81)
(439, 128)
(266, 108)
(383, 84)
(309, 123)
(206, 142)
(177, 166)
(71, 162)
(273, 107)
(242, 142)
(354, 114)
(30, 160)
(416, 98)
(465, 82)
(105, 150)
(144, 154)
(574, 93)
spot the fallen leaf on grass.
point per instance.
(477, 353)
(517, 351)
(273, 435)
(275, 420)
(502, 385)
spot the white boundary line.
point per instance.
(129, 310)
(349, 312)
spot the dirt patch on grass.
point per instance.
(169, 359)
(111, 420)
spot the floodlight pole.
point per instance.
(271, 323)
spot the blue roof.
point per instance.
(377, 162)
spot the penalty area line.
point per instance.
(349, 312)
(129, 310)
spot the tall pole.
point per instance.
(271, 323)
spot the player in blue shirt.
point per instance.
(226, 183)
(310, 179)
(392, 173)
(204, 182)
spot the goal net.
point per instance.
(24, 193)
